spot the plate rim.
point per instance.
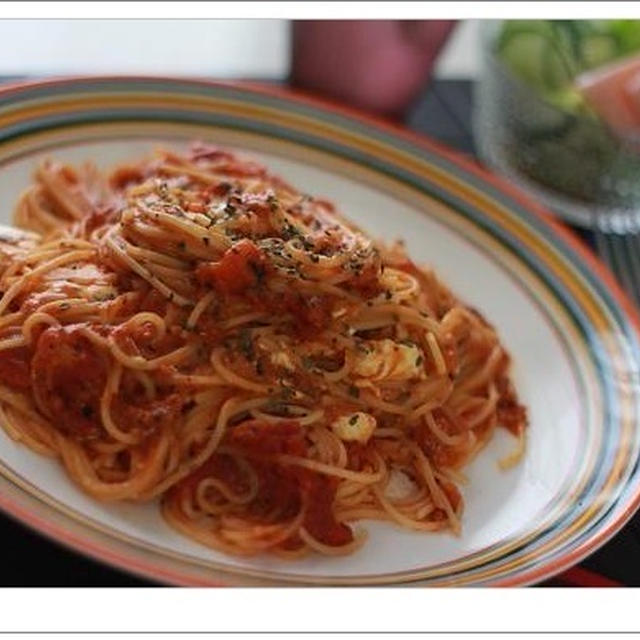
(468, 166)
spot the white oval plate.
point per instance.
(575, 350)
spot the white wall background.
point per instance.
(460, 58)
(221, 48)
(216, 48)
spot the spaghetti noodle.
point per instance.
(193, 329)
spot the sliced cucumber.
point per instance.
(570, 100)
(598, 49)
(556, 72)
(533, 56)
(626, 34)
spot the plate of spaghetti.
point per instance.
(249, 339)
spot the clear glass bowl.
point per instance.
(571, 163)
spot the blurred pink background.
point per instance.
(378, 65)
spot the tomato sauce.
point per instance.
(262, 437)
(133, 411)
(367, 281)
(69, 375)
(14, 368)
(142, 340)
(285, 486)
(278, 492)
(319, 521)
(310, 313)
(511, 414)
(152, 300)
(282, 489)
(221, 467)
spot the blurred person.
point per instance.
(377, 65)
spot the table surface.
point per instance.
(442, 112)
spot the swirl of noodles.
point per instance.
(191, 328)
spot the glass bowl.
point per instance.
(570, 162)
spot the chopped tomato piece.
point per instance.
(14, 368)
(69, 375)
(315, 312)
(367, 281)
(140, 414)
(511, 414)
(241, 267)
(319, 520)
(220, 189)
(98, 217)
(69, 174)
(260, 436)
(122, 177)
(311, 313)
(204, 151)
